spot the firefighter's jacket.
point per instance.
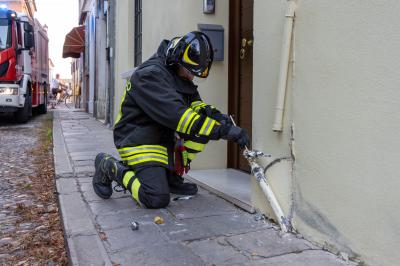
(156, 104)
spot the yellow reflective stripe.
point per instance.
(194, 145)
(186, 57)
(191, 124)
(135, 189)
(144, 155)
(205, 72)
(127, 177)
(205, 124)
(147, 161)
(196, 104)
(120, 108)
(128, 154)
(211, 127)
(183, 118)
(207, 127)
(188, 122)
(191, 156)
(142, 148)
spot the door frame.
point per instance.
(234, 74)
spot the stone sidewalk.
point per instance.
(204, 230)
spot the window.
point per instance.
(138, 32)
(19, 35)
(5, 34)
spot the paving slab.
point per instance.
(305, 258)
(82, 158)
(84, 163)
(75, 215)
(212, 226)
(84, 169)
(124, 237)
(123, 218)
(201, 205)
(268, 243)
(218, 252)
(111, 205)
(88, 250)
(67, 186)
(165, 254)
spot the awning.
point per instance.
(74, 43)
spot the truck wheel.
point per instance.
(23, 114)
(42, 109)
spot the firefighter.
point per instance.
(163, 124)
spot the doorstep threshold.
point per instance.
(230, 184)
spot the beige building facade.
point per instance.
(334, 163)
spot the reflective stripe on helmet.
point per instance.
(186, 58)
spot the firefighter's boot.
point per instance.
(107, 169)
(177, 186)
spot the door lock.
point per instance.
(246, 42)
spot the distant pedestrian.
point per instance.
(55, 88)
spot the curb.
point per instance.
(84, 245)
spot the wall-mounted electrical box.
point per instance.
(216, 35)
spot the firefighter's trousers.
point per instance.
(149, 185)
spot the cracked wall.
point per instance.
(343, 99)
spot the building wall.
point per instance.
(342, 99)
(167, 21)
(123, 53)
(101, 64)
(91, 57)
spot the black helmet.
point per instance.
(193, 52)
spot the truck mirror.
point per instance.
(28, 40)
(28, 27)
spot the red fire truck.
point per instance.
(24, 65)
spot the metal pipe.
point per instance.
(283, 73)
(258, 173)
(269, 194)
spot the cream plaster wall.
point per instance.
(268, 26)
(343, 99)
(167, 19)
(124, 50)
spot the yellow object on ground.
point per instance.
(158, 220)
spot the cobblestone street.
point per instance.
(29, 222)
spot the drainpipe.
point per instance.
(283, 73)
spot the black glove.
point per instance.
(236, 134)
(217, 115)
(223, 119)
